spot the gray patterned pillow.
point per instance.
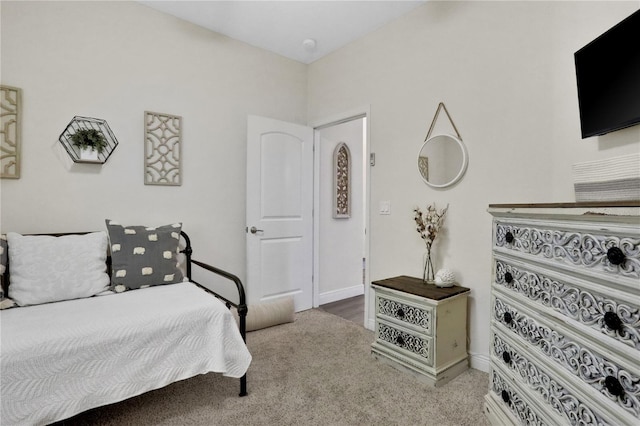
(4, 253)
(5, 302)
(143, 256)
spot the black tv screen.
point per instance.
(608, 76)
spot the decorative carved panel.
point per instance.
(583, 306)
(10, 122)
(406, 313)
(592, 368)
(162, 149)
(551, 391)
(572, 247)
(342, 182)
(415, 344)
(513, 400)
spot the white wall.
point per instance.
(505, 72)
(341, 241)
(114, 60)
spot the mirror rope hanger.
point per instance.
(435, 118)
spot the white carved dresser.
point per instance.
(565, 314)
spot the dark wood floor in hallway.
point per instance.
(351, 309)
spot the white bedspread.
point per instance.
(63, 358)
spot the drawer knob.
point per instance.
(400, 340)
(505, 396)
(506, 357)
(615, 256)
(509, 237)
(508, 277)
(400, 313)
(613, 386)
(507, 317)
(612, 321)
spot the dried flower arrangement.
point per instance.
(428, 226)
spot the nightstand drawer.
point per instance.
(404, 312)
(406, 342)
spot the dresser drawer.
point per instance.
(612, 380)
(614, 254)
(404, 312)
(510, 398)
(405, 342)
(612, 313)
(548, 387)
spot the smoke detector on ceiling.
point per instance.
(309, 44)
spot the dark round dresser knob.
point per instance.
(400, 313)
(505, 396)
(400, 340)
(615, 256)
(612, 321)
(509, 237)
(613, 386)
(508, 277)
(507, 317)
(506, 357)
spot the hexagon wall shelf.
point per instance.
(79, 123)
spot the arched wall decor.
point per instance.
(342, 182)
(162, 149)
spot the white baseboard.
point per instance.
(343, 293)
(371, 324)
(479, 361)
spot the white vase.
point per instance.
(88, 154)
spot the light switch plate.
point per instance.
(385, 207)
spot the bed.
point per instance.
(60, 359)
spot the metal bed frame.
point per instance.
(241, 306)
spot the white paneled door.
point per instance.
(279, 211)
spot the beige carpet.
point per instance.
(315, 371)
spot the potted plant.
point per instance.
(91, 142)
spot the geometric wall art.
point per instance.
(10, 121)
(162, 149)
(342, 182)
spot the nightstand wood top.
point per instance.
(415, 286)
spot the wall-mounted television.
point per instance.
(608, 76)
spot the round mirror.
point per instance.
(442, 160)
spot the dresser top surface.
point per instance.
(415, 286)
(621, 211)
(594, 204)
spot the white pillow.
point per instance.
(49, 269)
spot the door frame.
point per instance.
(317, 125)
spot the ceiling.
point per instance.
(283, 26)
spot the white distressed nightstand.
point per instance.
(421, 328)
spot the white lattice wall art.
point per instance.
(10, 116)
(162, 149)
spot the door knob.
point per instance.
(255, 230)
